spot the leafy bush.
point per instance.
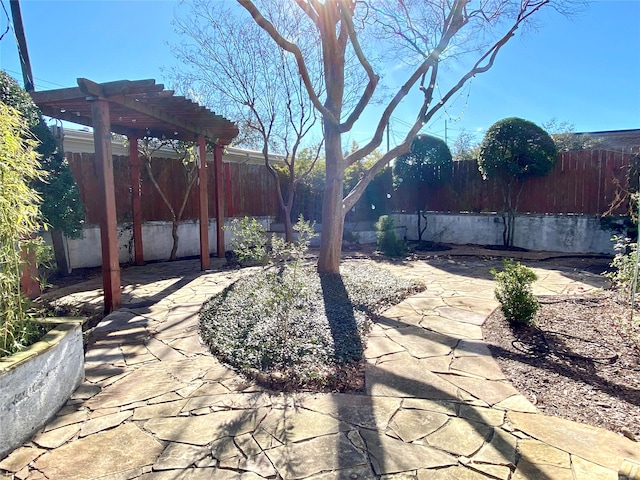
(61, 207)
(251, 245)
(512, 151)
(513, 291)
(624, 263)
(249, 242)
(388, 242)
(19, 218)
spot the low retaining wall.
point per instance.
(156, 238)
(553, 233)
(36, 383)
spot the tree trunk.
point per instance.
(505, 229)
(288, 225)
(332, 212)
(176, 239)
(60, 253)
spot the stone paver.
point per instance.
(109, 452)
(157, 406)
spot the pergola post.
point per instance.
(217, 166)
(108, 221)
(203, 204)
(227, 190)
(136, 202)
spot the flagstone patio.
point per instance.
(156, 405)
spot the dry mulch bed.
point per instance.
(581, 362)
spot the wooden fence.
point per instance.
(590, 182)
(582, 182)
(248, 189)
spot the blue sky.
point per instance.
(584, 70)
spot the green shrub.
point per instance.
(19, 218)
(513, 291)
(249, 242)
(388, 242)
(623, 263)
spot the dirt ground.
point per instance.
(580, 362)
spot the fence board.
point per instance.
(249, 189)
(583, 182)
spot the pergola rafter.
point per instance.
(140, 109)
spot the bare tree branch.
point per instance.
(291, 48)
(365, 99)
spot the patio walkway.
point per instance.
(156, 405)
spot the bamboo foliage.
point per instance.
(19, 218)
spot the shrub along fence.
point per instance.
(588, 182)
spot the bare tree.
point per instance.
(567, 140)
(424, 35)
(231, 63)
(465, 146)
(147, 147)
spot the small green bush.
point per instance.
(513, 291)
(623, 263)
(388, 242)
(249, 242)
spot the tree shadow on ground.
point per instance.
(339, 310)
(557, 355)
(342, 322)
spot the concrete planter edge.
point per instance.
(36, 382)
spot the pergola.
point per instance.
(139, 109)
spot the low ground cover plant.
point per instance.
(292, 328)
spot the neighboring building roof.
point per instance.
(616, 139)
(81, 141)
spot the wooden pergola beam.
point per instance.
(219, 199)
(136, 200)
(108, 222)
(88, 122)
(203, 204)
(59, 95)
(120, 98)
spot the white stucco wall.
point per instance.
(156, 239)
(554, 233)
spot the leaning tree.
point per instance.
(427, 164)
(415, 36)
(513, 150)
